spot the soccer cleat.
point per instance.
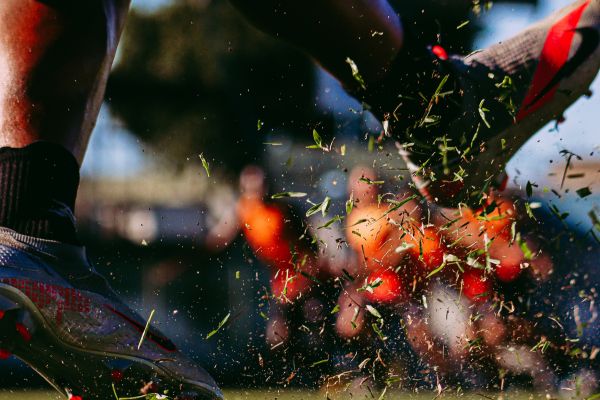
(61, 318)
(480, 109)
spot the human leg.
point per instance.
(456, 140)
(55, 56)
(56, 313)
(366, 31)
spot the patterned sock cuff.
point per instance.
(38, 187)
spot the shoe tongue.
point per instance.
(66, 259)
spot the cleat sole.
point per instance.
(26, 334)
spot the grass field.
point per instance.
(242, 394)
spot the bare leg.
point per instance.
(367, 31)
(55, 56)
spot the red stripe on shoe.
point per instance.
(23, 331)
(554, 55)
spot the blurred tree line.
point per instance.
(195, 77)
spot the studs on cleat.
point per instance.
(4, 354)
(23, 331)
(72, 396)
(13, 321)
(116, 375)
(589, 93)
(440, 52)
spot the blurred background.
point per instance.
(194, 80)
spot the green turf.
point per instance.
(365, 395)
(242, 394)
(28, 395)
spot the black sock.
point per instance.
(38, 186)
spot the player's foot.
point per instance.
(60, 317)
(493, 101)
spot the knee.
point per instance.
(99, 22)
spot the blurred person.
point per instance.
(335, 258)
(223, 221)
(277, 235)
(471, 227)
(448, 285)
(281, 241)
(60, 316)
(440, 334)
(263, 225)
(376, 225)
